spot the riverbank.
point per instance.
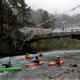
(10, 52)
(56, 44)
(6, 49)
(14, 52)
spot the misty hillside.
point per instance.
(58, 19)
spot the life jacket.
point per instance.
(57, 60)
(9, 65)
(37, 59)
(28, 56)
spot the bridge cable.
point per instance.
(32, 35)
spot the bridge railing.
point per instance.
(75, 30)
(50, 32)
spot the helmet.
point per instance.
(9, 61)
(57, 56)
(36, 57)
(27, 53)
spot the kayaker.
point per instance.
(57, 60)
(27, 56)
(8, 64)
(40, 55)
(37, 60)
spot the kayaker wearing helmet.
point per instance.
(37, 60)
(40, 55)
(8, 64)
(57, 60)
(27, 56)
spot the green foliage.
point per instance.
(13, 15)
(56, 44)
(45, 17)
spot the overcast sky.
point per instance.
(55, 6)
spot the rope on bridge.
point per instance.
(33, 33)
(57, 16)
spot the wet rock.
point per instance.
(67, 71)
(46, 75)
(72, 70)
(50, 77)
(78, 75)
(78, 71)
(73, 65)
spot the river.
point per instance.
(45, 72)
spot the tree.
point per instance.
(45, 18)
(1, 18)
(24, 14)
(13, 15)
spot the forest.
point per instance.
(16, 14)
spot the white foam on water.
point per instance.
(3, 73)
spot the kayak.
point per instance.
(25, 58)
(35, 64)
(54, 63)
(10, 69)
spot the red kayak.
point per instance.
(25, 58)
(54, 63)
(35, 64)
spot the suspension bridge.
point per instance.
(38, 33)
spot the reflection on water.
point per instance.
(43, 71)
